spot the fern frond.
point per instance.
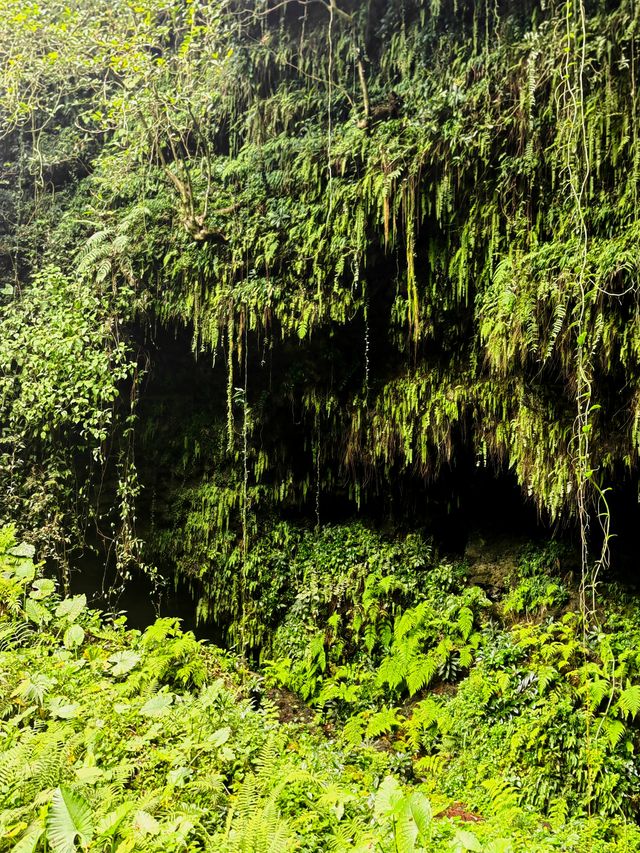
(558, 812)
(614, 731)
(629, 700)
(503, 795)
(383, 722)
(422, 670)
(353, 730)
(267, 760)
(465, 622)
(15, 635)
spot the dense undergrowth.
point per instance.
(443, 721)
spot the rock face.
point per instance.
(491, 559)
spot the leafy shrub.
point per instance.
(535, 589)
(117, 740)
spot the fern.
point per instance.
(15, 635)
(256, 826)
(431, 765)
(558, 812)
(353, 730)
(465, 622)
(502, 795)
(393, 669)
(560, 314)
(629, 700)
(247, 796)
(383, 722)
(421, 672)
(614, 731)
(35, 688)
(35, 765)
(12, 764)
(267, 760)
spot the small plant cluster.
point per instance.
(374, 618)
(468, 694)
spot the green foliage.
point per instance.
(62, 362)
(404, 819)
(377, 246)
(436, 638)
(536, 589)
(521, 711)
(136, 741)
(69, 818)
(362, 214)
(351, 638)
(535, 710)
(62, 366)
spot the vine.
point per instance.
(590, 494)
(245, 484)
(230, 386)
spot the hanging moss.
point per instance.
(376, 201)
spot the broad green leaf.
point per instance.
(404, 829)
(74, 636)
(71, 608)
(145, 823)
(25, 571)
(220, 737)
(24, 549)
(37, 612)
(499, 845)
(42, 588)
(29, 841)
(387, 798)
(466, 840)
(63, 709)
(177, 777)
(69, 818)
(411, 820)
(419, 808)
(157, 705)
(123, 662)
(110, 823)
(89, 775)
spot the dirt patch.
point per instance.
(458, 810)
(291, 709)
(444, 688)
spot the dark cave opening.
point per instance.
(185, 392)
